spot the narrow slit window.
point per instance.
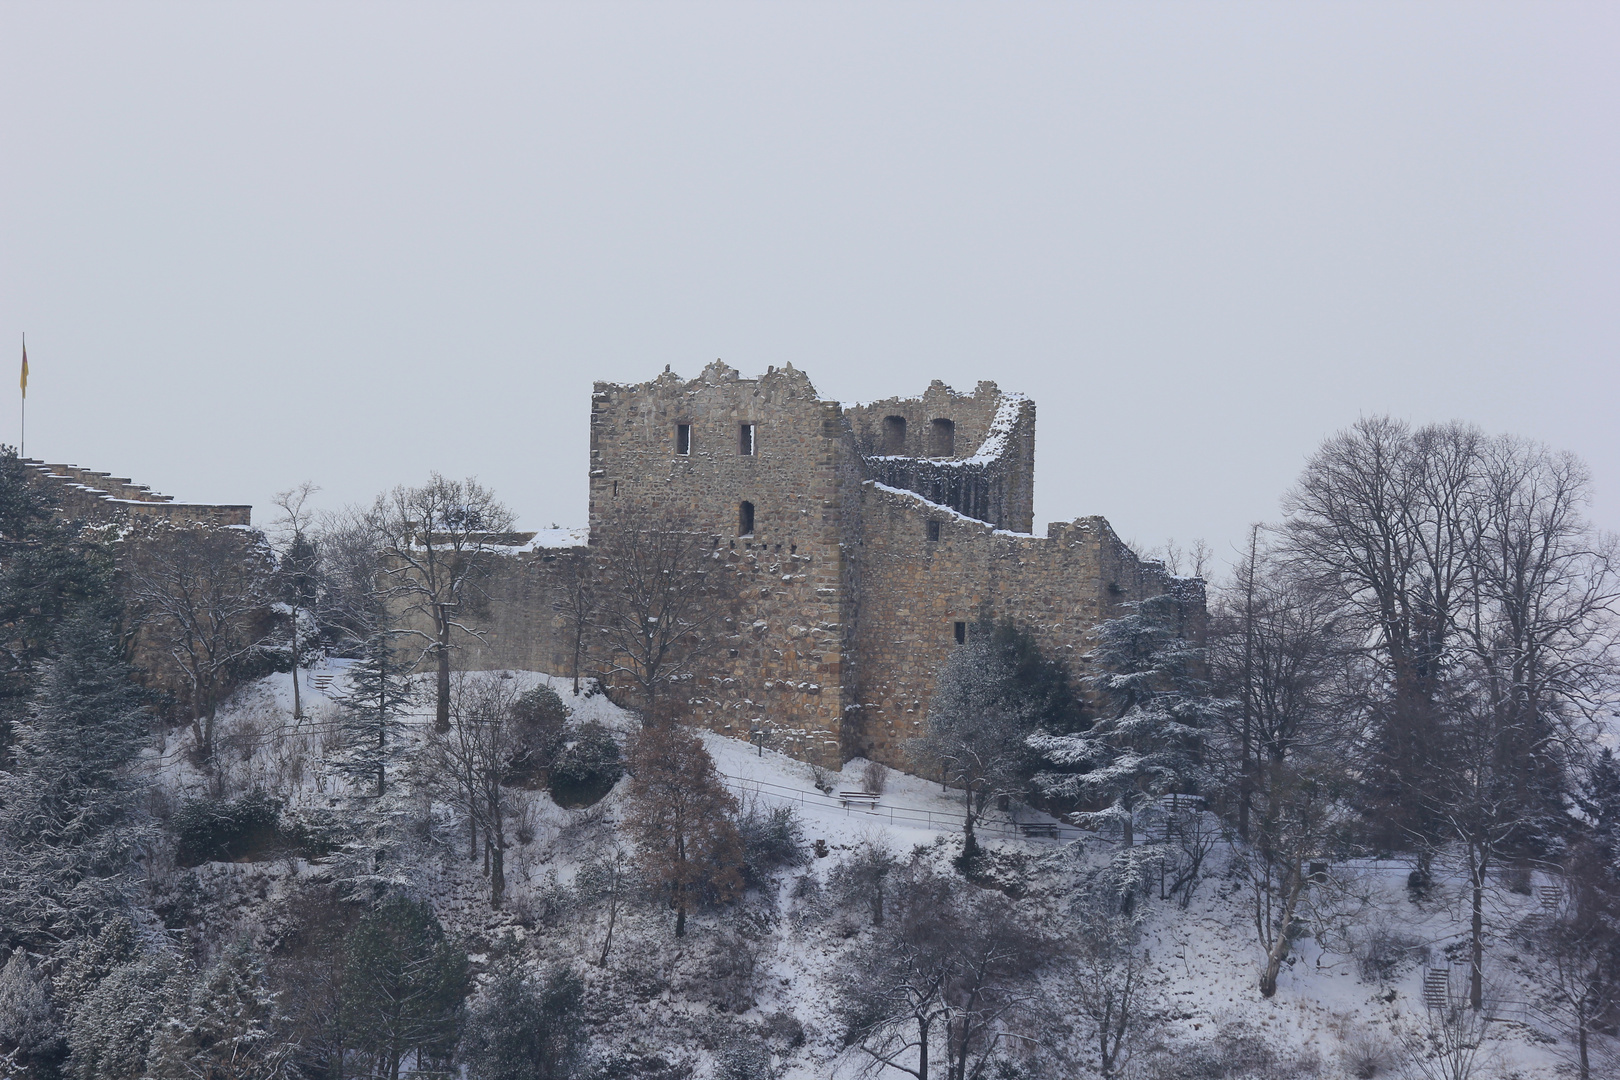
(894, 435)
(683, 439)
(933, 530)
(745, 440)
(961, 633)
(745, 519)
(942, 438)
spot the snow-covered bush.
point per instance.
(1382, 952)
(772, 837)
(587, 768)
(210, 829)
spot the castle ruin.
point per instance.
(868, 542)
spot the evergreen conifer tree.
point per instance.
(226, 1029)
(379, 692)
(69, 829)
(1149, 674)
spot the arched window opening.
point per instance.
(942, 439)
(894, 435)
(745, 519)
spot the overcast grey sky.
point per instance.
(254, 244)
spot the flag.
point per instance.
(25, 369)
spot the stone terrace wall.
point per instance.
(914, 591)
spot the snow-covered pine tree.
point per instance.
(69, 823)
(29, 1040)
(111, 1028)
(227, 1028)
(378, 693)
(1149, 674)
(977, 723)
(527, 1029)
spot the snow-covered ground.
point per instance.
(1204, 959)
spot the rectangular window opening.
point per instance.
(683, 439)
(933, 530)
(745, 440)
(745, 519)
(961, 633)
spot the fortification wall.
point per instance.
(87, 495)
(783, 656)
(918, 595)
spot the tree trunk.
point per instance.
(298, 708)
(613, 917)
(497, 877)
(922, 1049)
(680, 914)
(1476, 943)
(441, 715)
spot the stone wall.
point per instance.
(990, 473)
(917, 595)
(785, 657)
(86, 495)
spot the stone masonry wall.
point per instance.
(990, 474)
(783, 659)
(87, 495)
(914, 592)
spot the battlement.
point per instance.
(88, 495)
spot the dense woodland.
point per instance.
(210, 869)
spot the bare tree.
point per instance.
(203, 592)
(435, 541)
(952, 969)
(576, 601)
(657, 593)
(1446, 1042)
(1277, 652)
(683, 819)
(1379, 521)
(1301, 820)
(1107, 980)
(473, 757)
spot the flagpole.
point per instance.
(22, 438)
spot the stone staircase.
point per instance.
(1436, 987)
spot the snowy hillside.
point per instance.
(765, 971)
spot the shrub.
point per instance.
(874, 777)
(587, 768)
(744, 1059)
(213, 829)
(539, 728)
(1381, 952)
(771, 838)
(783, 1028)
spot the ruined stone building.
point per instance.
(868, 542)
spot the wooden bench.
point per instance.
(1038, 828)
(868, 799)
